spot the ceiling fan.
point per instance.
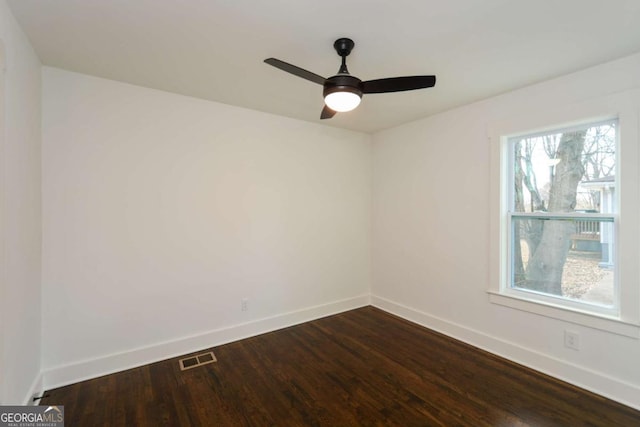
(343, 92)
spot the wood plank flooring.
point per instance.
(360, 368)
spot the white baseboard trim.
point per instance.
(612, 388)
(87, 369)
(36, 389)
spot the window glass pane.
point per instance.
(567, 258)
(569, 170)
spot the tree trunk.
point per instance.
(518, 263)
(532, 231)
(544, 271)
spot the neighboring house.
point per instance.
(599, 233)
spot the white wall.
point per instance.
(161, 212)
(20, 217)
(431, 236)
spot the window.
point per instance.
(565, 214)
(562, 216)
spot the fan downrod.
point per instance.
(343, 46)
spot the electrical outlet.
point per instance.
(572, 340)
(244, 304)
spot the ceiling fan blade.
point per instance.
(398, 84)
(296, 71)
(327, 113)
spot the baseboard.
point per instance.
(87, 369)
(36, 389)
(612, 388)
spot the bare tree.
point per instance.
(519, 270)
(599, 152)
(544, 269)
(525, 177)
(529, 176)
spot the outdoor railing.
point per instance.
(587, 230)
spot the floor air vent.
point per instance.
(195, 361)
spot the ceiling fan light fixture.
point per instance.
(343, 92)
(343, 100)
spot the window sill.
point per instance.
(587, 319)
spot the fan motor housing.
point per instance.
(342, 83)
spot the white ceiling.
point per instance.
(213, 49)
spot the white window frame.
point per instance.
(625, 318)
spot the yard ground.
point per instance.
(582, 278)
(581, 273)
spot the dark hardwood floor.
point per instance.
(360, 368)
